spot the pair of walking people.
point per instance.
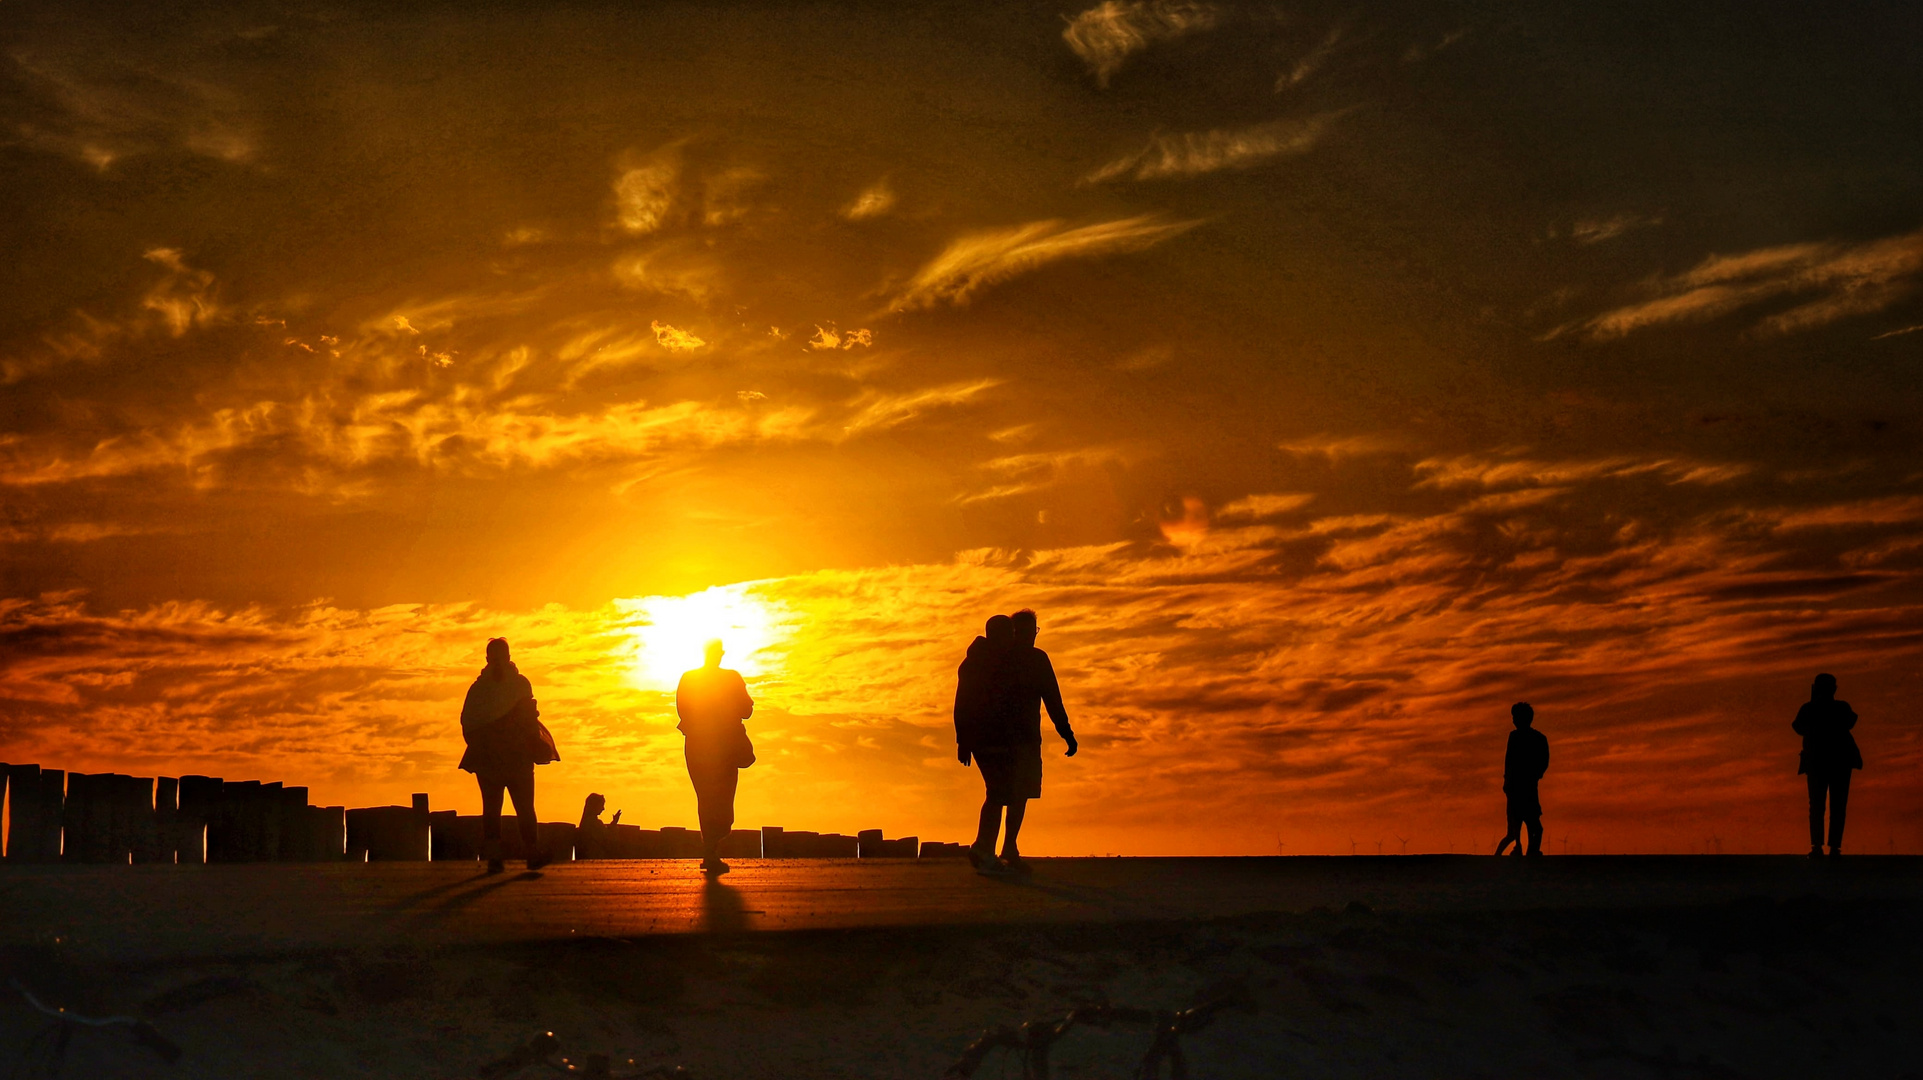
(501, 722)
(1001, 689)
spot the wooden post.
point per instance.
(4, 767)
(296, 837)
(134, 820)
(53, 801)
(194, 821)
(267, 821)
(774, 845)
(83, 820)
(21, 843)
(327, 826)
(162, 842)
(868, 844)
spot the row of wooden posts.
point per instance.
(56, 816)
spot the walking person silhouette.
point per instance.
(1522, 768)
(712, 702)
(1008, 748)
(505, 741)
(1829, 755)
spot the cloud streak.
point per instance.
(979, 260)
(1106, 35)
(1198, 153)
(1826, 282)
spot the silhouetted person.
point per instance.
(1522, 769)
(712, 702)
(981, 724)
(591, 836)
(1829, 754)
(505, 741)
(1014, 775)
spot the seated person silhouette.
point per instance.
(1829, 755)
(1522, 769)
(591, 836)
(712, 702)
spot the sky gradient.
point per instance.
(1327, 378)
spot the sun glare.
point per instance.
(674, 629)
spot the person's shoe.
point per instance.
(538, 860)
(1836, 851)
(1535, 853)
(979, 856)
(495, 866)
(714, 867)
(1017, 865)
(991, 867)
(1816, 852)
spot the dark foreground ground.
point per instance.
(1434, 967)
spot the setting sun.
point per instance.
(671, 631)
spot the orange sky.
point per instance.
(1327, 381)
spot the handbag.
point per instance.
(744, 748)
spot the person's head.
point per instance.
(1000, 631)
(1523, 714)
(593, 807)
(496, 651)
(1025, 626)
(712, 652)
(1824, 688)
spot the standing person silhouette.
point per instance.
(1522, 769)
(712, 702)
(505, 741)
(1015, 776)
(1829, 754)
(981, 728)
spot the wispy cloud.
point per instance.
(875, 200)
(1833, 281)
(1310, 62)
(876, 410)
(1597, 230)
(675, 339)
(1106, 35)
(645, 192)
(1197, 152)
(981, 259)
(113, 112)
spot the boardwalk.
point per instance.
(158, 912)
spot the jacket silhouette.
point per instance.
(980, 700)
(1030, 686)
(1829, 746)
(1526, 760)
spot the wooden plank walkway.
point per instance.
(157, 912)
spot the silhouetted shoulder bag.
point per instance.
(744, 748)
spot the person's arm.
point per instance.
(1800, 725)
(1052, 700)
(1545, 759)
(681, 699)
(1848, 718)
(961, 750)
(745, 705)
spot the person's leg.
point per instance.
(989, 827)
(1839, 806)
(1535, 834)
(716, 809)
(1017, 809)
(491, 792)
(1512, 836)
(1817, 790)
(521, 788)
